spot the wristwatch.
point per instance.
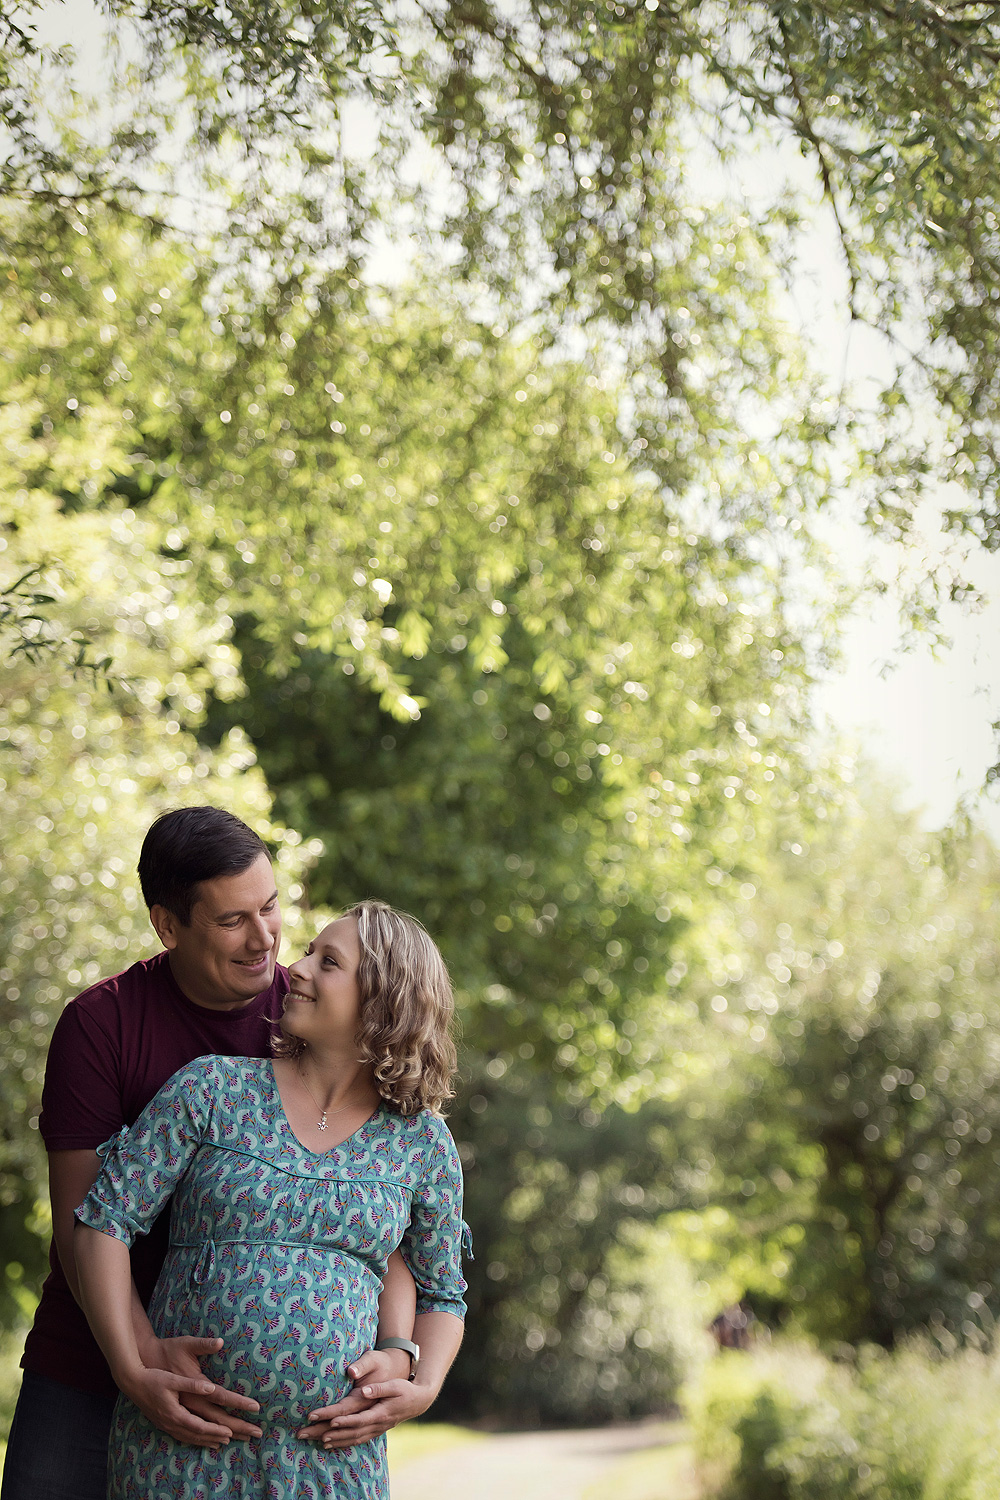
(412, 1349)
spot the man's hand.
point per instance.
(194, 1410)
(382, 1398)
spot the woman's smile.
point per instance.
(330, 968)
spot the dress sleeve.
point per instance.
(143, 1163)
(432, 1243)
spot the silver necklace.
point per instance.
(321, 1122)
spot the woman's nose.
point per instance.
(298, 969)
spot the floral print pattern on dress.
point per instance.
(280, 1251)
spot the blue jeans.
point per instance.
(58, 1447)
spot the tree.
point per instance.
(854, 1144)
(504, 680)
(162, 395)
(107, 654)
(565, 132)
(86, 763)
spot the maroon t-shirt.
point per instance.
(113, 1047)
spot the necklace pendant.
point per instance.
(322, 1121)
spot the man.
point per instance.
(216, 988)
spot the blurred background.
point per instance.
(538, 466)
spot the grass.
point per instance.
(417, 1439)
(661, 1473)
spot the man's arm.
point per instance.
(71, 1176)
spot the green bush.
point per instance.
(787, 1424)
(770, 1427)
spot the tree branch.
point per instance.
(826, 173)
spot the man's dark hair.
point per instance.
(187, 846)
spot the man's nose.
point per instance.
(261, 935)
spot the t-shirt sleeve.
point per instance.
(433, 1242)
(143, 1163)
(81, 1096)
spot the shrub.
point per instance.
(770, 1427)
(787, 1424)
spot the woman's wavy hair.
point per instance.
(407, 1008)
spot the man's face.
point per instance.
(226, 955)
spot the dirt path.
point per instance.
(526, 1466)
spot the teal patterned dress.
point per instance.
(280, 1251)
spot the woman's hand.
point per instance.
(378, 1403)
(196, 1414)
(366, 1409)
(386, 1404)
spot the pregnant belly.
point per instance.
(292, 1319)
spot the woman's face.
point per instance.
(323, 1005)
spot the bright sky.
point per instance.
(927, 719)
(923, 712)
(924, 717)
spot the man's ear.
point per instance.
(165, 925)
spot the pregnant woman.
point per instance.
(293, 1181)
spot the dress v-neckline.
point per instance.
(286, 1122)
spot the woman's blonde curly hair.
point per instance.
(407, 1009)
